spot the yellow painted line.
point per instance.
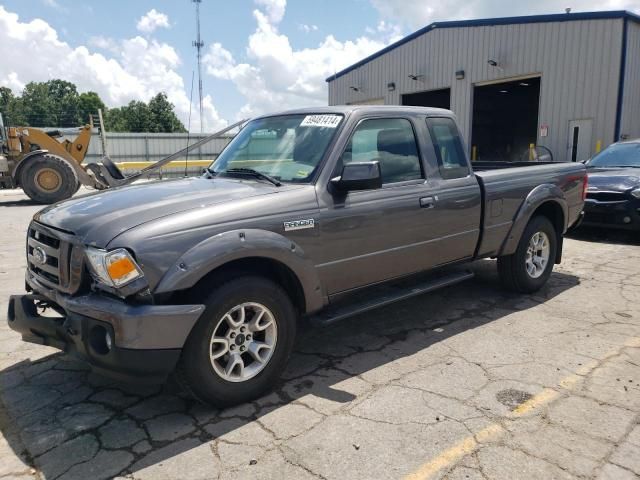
(446, 458)
(180, 163)
(470, 444)
(173, 164)
(457, 452)
(545, 397)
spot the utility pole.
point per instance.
(198, 43)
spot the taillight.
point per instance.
(585, 186)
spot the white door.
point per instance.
(579, 140)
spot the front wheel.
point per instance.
(241, 344)
(529, 268)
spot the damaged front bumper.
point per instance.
(139, 343)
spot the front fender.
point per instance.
(539, 195)
(233, 245)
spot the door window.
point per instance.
(452, 162)
(391, 142)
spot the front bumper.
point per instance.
(622, 214)
(146, 339)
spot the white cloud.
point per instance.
(392, 31)
(274, 9)
(132, 69)
(419, 14)
(105, 43)
(51, 3)
(308, 28)
(277, 76)
(152, 20)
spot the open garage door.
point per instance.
(505, 119)
(433, 98)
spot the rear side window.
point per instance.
(452, 161)
(391, 142)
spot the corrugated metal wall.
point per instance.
(140, 147)
(630, 125)
(578, 61)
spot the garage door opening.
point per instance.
(505, 120)
(433, 98)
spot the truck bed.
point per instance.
(506, 187)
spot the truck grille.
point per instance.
(52, 258)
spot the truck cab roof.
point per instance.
(366, 109)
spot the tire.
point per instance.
(201, 375)
(48, 179)
(516, 270)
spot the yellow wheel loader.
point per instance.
(49, 170)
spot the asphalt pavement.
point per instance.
(469, 382)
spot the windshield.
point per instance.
(618, 155)
(287, 148)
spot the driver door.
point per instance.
(374, 235)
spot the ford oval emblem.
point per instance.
(39, 255)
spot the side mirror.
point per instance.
(358, 176)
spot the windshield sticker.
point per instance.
(327, 121)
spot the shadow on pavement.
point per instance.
(19, 203)
(605, 235)
(64, 415)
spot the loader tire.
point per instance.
(48, 179)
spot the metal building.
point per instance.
(568, 82)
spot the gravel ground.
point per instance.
(466, 383)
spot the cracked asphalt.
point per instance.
(466, 383)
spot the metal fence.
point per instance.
(151, 147)
(131, 150)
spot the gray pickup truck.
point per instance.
(315, 213)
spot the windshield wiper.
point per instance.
(254, 173)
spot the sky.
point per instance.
(258, 55)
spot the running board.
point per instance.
(381, 295)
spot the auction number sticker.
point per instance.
(327, 121)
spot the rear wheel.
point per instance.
(48, 179)
(529, 268)
(241, 344)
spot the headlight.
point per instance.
(636, 192)
(115, 268)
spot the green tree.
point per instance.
(157, 116)
(11, 108)
(57, 103)
(163, 118)
(115, 120)
(6, 96)
(88, 104)
(138, 117)
(64, 99)
(38, 107)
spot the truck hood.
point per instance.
(615, 179)
(97, 218)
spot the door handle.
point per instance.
(427, 202)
